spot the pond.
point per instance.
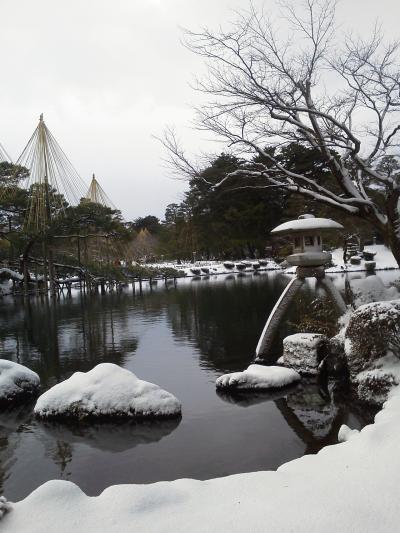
(181, 338)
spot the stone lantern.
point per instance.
(310, 260)
(306, 233)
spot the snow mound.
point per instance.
(5, 506)
(345, 433)
(258, 377)
(371, 289)
(16, 381)
(106, 391)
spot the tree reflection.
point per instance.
(58, 338)
(11, 421)
(225, 319)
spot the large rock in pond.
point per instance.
(304, 351)
(258, 377)
(106, 391)
(17, 382)
(373, 332)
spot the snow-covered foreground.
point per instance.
(106, 391)
(352, 486)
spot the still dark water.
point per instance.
(181, 338)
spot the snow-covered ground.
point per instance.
(106, 390)
(383, 258)
(352, 486)
(211, 268)
(16, 381)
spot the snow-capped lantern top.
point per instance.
(307, 239)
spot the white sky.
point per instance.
(109, 74)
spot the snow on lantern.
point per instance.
(310, 260)
(306, 232)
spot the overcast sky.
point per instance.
(110, 74)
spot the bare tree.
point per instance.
(337, 94)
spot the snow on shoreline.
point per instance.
(106, 391)
(384, 261)
(352, 486)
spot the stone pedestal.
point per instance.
(304, 351)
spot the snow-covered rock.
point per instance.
(304, 351)
(345, 433)
(353, 486)
(106, 391)
(258, 377)
(16, 381)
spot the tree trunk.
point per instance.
(392, 233)
(393, 241)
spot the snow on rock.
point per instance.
(16, 381)
(303, 351)
(106, 391)
(5, 506)
(345, 433)
(371, 289)
(258, 377)
(352, 486)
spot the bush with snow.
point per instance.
(258, 377)
(371, 334)
(106, 391)
(16, 382)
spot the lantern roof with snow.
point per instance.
(307, 241)
(307, 223)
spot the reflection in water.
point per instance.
(314, 414)
(57, 339)
(11, 422)
(248, 398)
(181, 338)
(111, 437)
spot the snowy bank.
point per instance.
(352, 486)
(106, 391)
(258, 377)
(384, 260)
(16, 381)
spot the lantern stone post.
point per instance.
(310, 259)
